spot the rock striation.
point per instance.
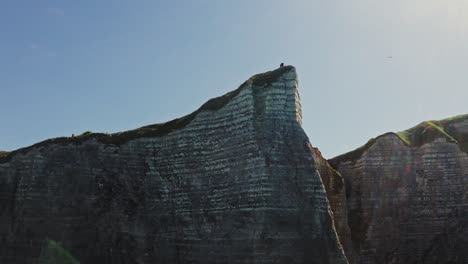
(407, 195)
(236, 181)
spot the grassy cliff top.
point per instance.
(161, 129)
(417, 136)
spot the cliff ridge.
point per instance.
(234, 182)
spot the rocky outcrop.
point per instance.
(407, 194)
(234, 182)
(336, 193)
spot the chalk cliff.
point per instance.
(407, 194)
(236, 181)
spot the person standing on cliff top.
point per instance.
(282, 64)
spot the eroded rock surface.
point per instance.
(336, 193)
(234, 182)
(407, 195)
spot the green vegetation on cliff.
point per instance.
(428, 131)
(424, 132)
(3, 154)
(54, 253)
(157, 130)
(417, 136)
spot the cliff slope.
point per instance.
(336, 193)
(234, 182)
(407, 194)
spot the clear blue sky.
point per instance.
(365, 67)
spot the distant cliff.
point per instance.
(236, 181)
(407, 194)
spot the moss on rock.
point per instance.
(54, 253)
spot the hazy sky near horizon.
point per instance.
(365, 67)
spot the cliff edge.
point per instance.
(407, 194)
(234, 182)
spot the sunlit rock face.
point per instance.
(235, 182)
(408, 199)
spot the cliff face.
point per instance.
(336, 193)
(234, 182)
(407, 194)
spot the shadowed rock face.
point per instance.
(336, 193)
(407, 195)
(235, 182)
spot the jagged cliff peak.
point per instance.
(453, 129)
(283, 74)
